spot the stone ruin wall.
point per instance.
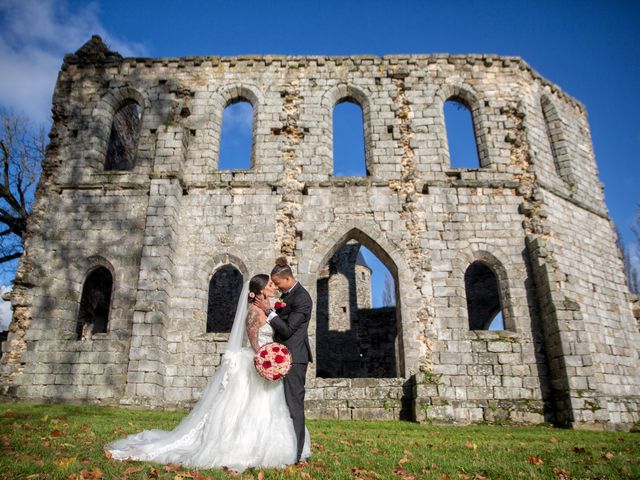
(569, 351)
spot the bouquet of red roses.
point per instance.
(272, 361)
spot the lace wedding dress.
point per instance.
(241, 420)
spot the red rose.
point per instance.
(273, 361)
(280, 305)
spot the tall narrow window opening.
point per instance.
(483, 298)
(557, 144)
(348, 140)
(123, 140)
(236, 137)
(463, 147)
(225, 288)
(95, 303)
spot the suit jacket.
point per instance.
(291, 324)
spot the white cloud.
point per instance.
(5, 309)
(34, 37)
(238, 117)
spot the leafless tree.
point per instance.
(634, 285)
(23, 148)
(627, 259)
(388, 294)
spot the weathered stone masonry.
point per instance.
(533, 212)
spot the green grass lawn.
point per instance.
(65, 442)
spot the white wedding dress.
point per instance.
(240, 421)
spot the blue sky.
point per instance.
(591, 49)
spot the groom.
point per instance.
(290, 325)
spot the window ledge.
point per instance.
(506, 335)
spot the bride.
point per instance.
(241, 419)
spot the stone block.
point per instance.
(499, 347)
(100, 392)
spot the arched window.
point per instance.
(95, 303)
(125, 133)
(236, 138)
(483, 298)
(555, 136)
(225, 288)
(3, 338)
(356, 320)
(461, 137)
(348, 139)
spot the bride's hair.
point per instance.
(257, 284)
(282, 268)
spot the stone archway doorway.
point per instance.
(354, 338)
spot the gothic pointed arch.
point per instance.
(389, 252)
(368, 241)
(354, 339)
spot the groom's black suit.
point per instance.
(291, 326)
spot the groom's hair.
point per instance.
(282, 268)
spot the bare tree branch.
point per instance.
(630, 272)
(634, 281)
(22, 148)
(8, 258)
